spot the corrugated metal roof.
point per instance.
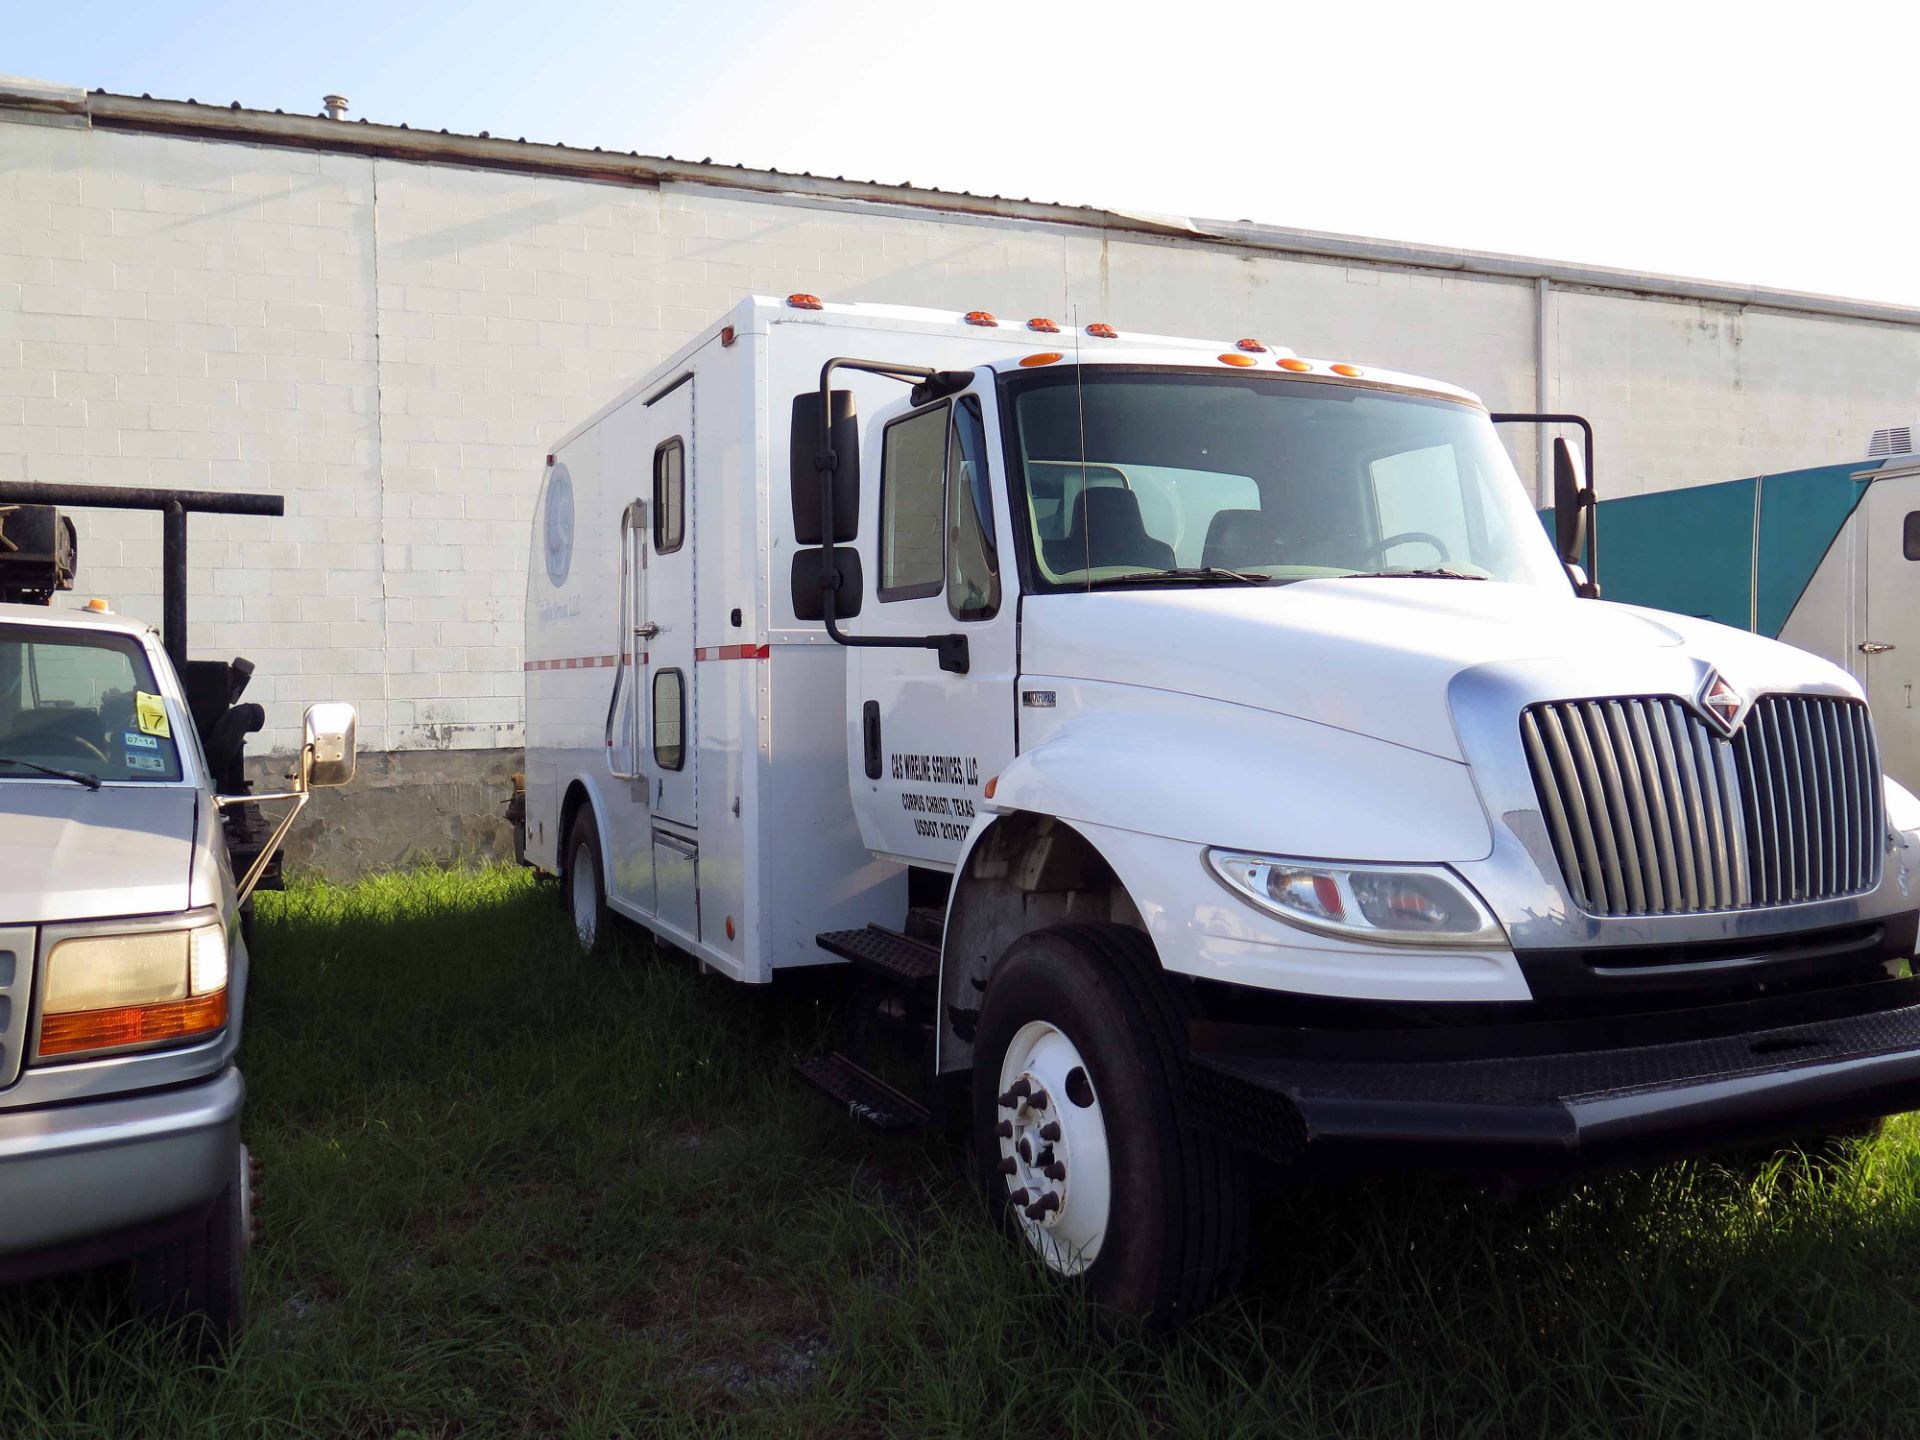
(259, 127)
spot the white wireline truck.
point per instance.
(1207, 756)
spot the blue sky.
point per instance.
(1695, 139)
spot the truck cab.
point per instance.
(126, 865)
(1234, 772)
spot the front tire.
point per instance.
(583, 885)
(1082, 1131)
(198, 1282)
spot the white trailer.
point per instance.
(1206, 755)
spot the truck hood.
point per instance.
(69, 853)
(1372, 656)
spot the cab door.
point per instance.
(923, 740)
(1888, 658)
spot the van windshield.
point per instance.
(81, 702)
(1130, 472)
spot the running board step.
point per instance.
(887, 954)
(867, 1098)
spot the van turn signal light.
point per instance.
(1040, 357)
(805, 302)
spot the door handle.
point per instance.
(646, 631)
(1875, 647)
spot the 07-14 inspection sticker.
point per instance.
(150, 714)
(136, 741)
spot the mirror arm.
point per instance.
(952, 648)
(299, 795)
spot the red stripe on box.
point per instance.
(732, 652)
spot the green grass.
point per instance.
(513, 1192)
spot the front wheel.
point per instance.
(1082, 1133)
(198, 1282)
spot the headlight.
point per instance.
(124, 987)
(1400, 904)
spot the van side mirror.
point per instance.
(804, 583)
(805, 447)
(1572, 506)
(327, 744)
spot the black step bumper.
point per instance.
(1621, 1104)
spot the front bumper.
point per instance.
(1765, 1071)
(97, 1180)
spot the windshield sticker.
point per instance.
(150, 714)
(136, 741)
(147, 762)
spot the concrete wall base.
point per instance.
(404, 807)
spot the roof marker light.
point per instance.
(1100, 330)
(805, 302)
(1352, 372)
(1250, 345)
(97, 606)
(727, 337)
(1041, 357)
(1295, 363)
(981, 317)
(1043, 325)
(1233, 357)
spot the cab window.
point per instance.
(973, 571)
(81, 702)
(913, 505)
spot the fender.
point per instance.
(596, 802)
(1213, 773)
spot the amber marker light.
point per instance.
(1235, 358)
(1352, 372)
(993, 783)
(1041, 357)
(1043, 325)
(1250, 345)
(805, 302)
(1295, 364)
(981, 317)
(1100, 330)
(77, 1030)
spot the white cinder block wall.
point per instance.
(390, 344)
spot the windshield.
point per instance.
(1129, 472)
(81, 702)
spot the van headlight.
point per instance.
(129, 985)
(1398, 904)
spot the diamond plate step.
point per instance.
(886, 953)
(868, 1099)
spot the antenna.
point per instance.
(1080, 407)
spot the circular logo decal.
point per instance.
(559, 523)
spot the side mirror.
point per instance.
(328, 744)
(1572, 512)
(805, 444)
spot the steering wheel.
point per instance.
(59, 742)
(1381, 546)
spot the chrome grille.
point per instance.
(1654, 812)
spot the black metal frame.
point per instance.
(174, 507)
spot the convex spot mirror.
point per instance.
(328, 742)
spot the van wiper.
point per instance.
(79, 777)
(1438, 572)
(1216, 574)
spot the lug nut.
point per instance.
(1004, 1129)
(1038, 1099)
(1026, 1150)
(1017, 1197)
(1020, 1088)
(1050, 1131)
(1009, 1165)
(1044, 1206)
(1009, 1101)
(1056, 1171)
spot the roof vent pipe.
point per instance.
(336, 106)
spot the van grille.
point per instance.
(1654, 812)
